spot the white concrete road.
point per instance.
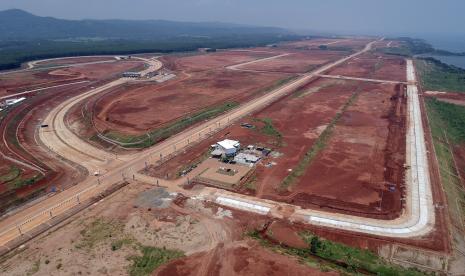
(416, 220)
(360, 79)
(41, 89)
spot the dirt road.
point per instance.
(63, 142)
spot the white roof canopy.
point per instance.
(228, 144)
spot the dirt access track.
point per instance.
(25, 80)
(416, 220)
(30, 171)
(203, 81)
(373, 65)
(359, 172)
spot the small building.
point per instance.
(246, 159)
(228, 147)
(14, 101)
(132, 75)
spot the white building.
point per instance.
(228, 147)
(14, 101)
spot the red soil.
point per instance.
(28, 80)
(240, 258)
(360, 157)
(293, 116)
(311, 43)
(137, 109)
(363, 158)
(213, 60)
(23, 120)
(375, 66)
(296, 62)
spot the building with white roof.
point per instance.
(14, 101)
(228, 147)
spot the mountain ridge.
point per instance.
(16, 24)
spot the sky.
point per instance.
(380, 17)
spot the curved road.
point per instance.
(416, 220)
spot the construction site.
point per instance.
(212, 154)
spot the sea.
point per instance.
(449, 43)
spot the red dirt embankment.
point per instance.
(240, 258)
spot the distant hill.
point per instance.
(20, 25)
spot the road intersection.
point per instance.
(417, 219)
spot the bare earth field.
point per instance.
(375, 66)
(312, 43)
(218, 60)
(295, 62)
(356, 130)
(346, 44)
(106, 237)
(28, 80)
(360, 159)
(137, 109)
(361, 167)
(22, 182)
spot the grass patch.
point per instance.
(144, 141)
(304, 92)
(452, 116)
(118, 244)
(97, 232)
(269, 129)
(34, 269)
(446, 122)
(408, 47)
(318, 146)
(151, 259)
(19, 182)
(438, 76)
(336, 256)
(12, 174)
(278, 83)
(251, 183)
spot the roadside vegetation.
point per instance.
(438, 76)
(317, 147)
(144, 260)
(270, 130)
(13, 173)
(162, 133)
(409, 47)
(151, 259)
(14, 179)
(153, 137)
(327, 255)
(447, 123)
